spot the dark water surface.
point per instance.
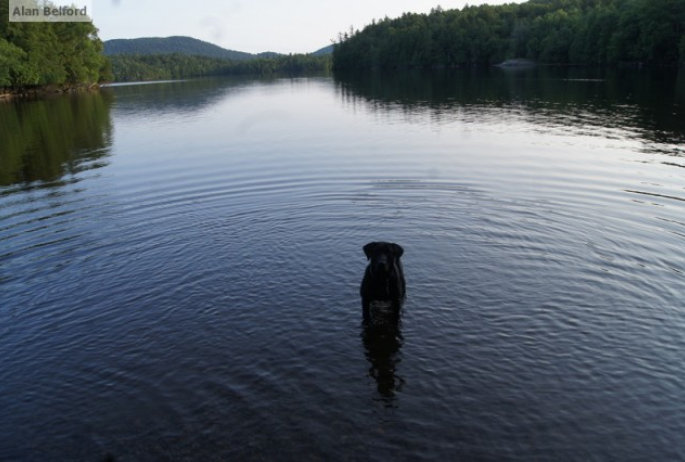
(180, 263)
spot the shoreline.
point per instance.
(7, 94)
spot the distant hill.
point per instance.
(268, 54)
(324, 51)
(186, 46)
(168, 45)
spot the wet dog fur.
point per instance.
(384, 277)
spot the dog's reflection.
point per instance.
(382, 338)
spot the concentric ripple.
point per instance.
(184, 284)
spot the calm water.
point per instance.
(180, 263)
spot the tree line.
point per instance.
(66, 55)
(59, 54)
(127, 67)
(582, 32)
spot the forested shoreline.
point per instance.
(132, 67)
(49, 55)
(562, 32)
(63, 56)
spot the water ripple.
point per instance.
(203, 303)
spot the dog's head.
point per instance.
(382, 257)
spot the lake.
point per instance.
(180, 266)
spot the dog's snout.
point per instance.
(382, 264)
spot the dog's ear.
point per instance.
(397, 250)
(368, 249)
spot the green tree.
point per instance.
(11, 62)
(60, 54)
(589, 32)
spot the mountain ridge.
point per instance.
(184, 45)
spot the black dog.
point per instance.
(384, 277)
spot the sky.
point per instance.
(254, 26)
